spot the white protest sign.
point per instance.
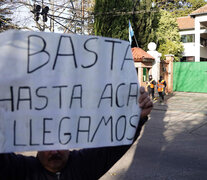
(61, 91)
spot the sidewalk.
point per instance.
(185, 102)
(173, 145)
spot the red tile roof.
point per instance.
(201, 10)
(140, 55)
(185, 23)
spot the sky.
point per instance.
(23, 16)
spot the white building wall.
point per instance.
(189, 48)
(197, 40)
(187, 32)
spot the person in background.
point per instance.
(161, 85)
(151, 87)
(83, 164)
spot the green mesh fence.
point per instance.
(190, 76)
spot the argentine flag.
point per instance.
(131, 33)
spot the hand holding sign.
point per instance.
(66, 91)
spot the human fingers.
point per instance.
(146, 111)
(146, 102)
(143, 96)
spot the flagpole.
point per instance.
(136, 40)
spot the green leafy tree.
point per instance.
(168, 37)
(180, 8)
(112, 20)
(189, 7)
(145, 22)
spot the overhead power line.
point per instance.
(90, 13)
(113, 12)
(62, 6)
(121, 13)
(59, 23)
(64, 18)
(37, 12)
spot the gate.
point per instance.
(190, 76)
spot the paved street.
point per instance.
(173, 145)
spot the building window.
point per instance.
(183, 59)
(203, 59)
(188, 38)
(188, 59)
(203, 42)
(144, 74)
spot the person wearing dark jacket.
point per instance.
(161, 85)
(151, 87)
(84, 164)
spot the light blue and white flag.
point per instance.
(131, 33)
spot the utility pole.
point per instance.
(53, 13)
(43, 27)
(82, 19)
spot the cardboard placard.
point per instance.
(61, 91)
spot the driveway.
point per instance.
(173, 145)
